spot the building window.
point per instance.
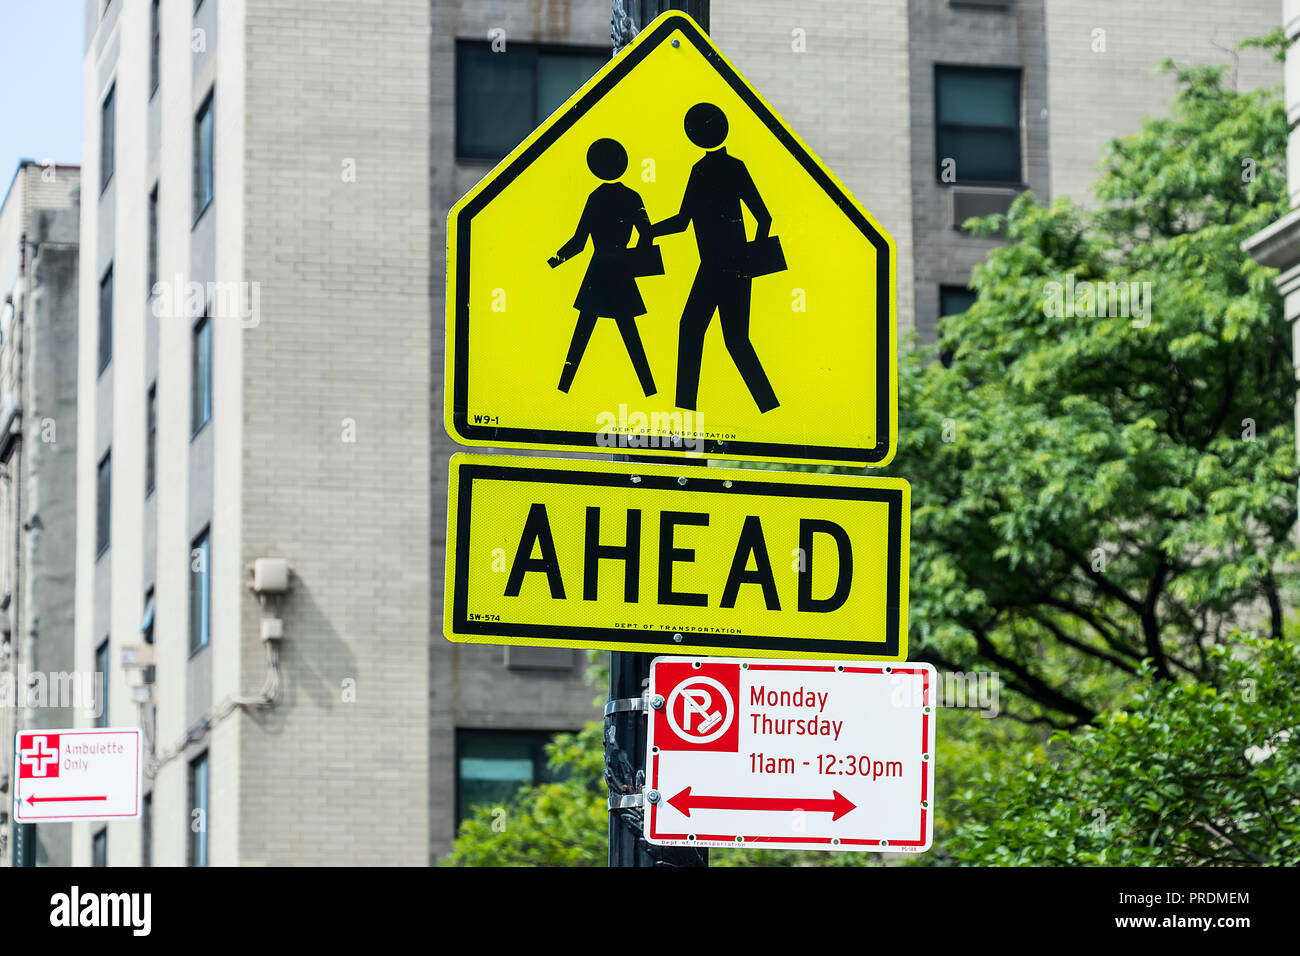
(502, 97)
(200, 375)
(492, 764)
(203, 158)
(106, 319)
(101, 681)
(977, 123)
(106, 133)
(146, 623)
(200, 592)
(149, 675)
(155, 47)
(146, 830)
(151, 441)
(152, 267)
(103, 503)
(953, 300)
(198, 816)
(99, 848)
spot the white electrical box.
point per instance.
(139, 655)
(270, 575)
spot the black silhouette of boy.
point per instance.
(609, 285)
(718, 184)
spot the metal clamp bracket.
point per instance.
(626, 703)
(625, 800)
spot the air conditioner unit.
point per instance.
(988, 4)
(139, 655)
(969, 202)
(522, 657)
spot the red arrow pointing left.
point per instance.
(837, 805)
(33, 800)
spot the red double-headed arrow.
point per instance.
(33, 800)
(836, 806)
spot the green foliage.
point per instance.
(971, 749)
(1190, 773)
(1112, 489)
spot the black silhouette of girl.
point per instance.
(609, 287)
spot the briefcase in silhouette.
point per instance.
(763, 257)
(646, 260)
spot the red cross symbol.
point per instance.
(40, 756)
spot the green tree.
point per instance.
(1093, 492)
(1190, 773)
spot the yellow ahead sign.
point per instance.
(665, 265)
(690, 560)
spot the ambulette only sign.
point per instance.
(69, 775)
(800, 755)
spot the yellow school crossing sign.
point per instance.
(664, 266)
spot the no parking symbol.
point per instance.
(700, 707)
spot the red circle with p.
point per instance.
(701, 707)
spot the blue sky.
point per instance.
(40, 82)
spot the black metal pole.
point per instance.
(629, 673)
(629, 17)
(625, 756)
(24, 841)
(625, 737)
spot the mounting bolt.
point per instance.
(652, 796)
(677, 638)
(657, 702)
(681, 481)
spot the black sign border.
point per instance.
(489, 435)
(738, 645)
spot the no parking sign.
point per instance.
(830, 755)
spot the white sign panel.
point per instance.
(796, 755)
(70, 775)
